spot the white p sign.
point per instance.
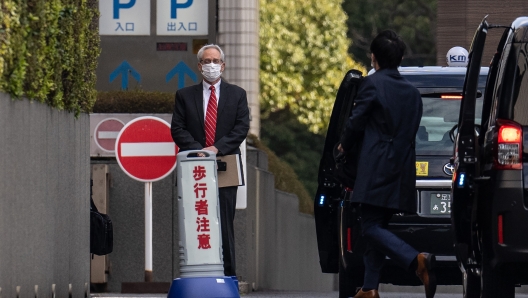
(124, 17)
(182, 17)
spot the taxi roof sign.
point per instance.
(457, 56)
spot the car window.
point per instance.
(520, 94)
(500, 79)
(438, 118)
(440, 114)
(425, 81)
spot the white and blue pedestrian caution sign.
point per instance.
(200, 243)
(198, 210)
(182, 17)
(124, 17)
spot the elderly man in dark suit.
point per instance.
(214, 115)
(386, 115)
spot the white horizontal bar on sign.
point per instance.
(148, 149)
(107, 134)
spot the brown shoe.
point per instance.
(425, 272)
(367, 294)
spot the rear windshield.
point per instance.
(440, 115)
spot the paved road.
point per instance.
(385, 292)
(300, 295)
(335, 295)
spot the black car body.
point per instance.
(490, 186)
(429, 229)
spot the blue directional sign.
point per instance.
(175, 5)
(181, 69)
(182, 17)
(124, 69)
(124, 17)
(118, 5)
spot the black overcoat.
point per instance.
(232, 124)
(387, 112)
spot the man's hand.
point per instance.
(340, 148)
(210, 148)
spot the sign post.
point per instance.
(146, 152)
(148, 232)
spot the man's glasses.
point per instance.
(208, 61)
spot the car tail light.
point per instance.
(349, 240)
(509, 146)
(500, 229)
(451, 96)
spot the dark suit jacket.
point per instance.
(232, 124)
(387, 112)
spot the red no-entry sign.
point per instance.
(106, 132)
(145, 149)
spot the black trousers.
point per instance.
(380, 243)
(227, 197)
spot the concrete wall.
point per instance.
(127, 211)
(44, 200)
(458, 20)
(275, 244)
(296, 249)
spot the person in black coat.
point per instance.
(221, 131)
(386, 116)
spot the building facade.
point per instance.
(457, 21)
(238, 35)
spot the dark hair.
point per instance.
(388, 48)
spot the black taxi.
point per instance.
(490, 184)
(429, 229)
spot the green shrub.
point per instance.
(134, 102)
(285, 177)
(295, 144)
(49, 50)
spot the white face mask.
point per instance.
(211, 72)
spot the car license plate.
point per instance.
(440, 203)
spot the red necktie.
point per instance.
(210, 119)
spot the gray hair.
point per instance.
(209, 46)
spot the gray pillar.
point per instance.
(238, 35)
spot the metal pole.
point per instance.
(257, 232)
(148, 232)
